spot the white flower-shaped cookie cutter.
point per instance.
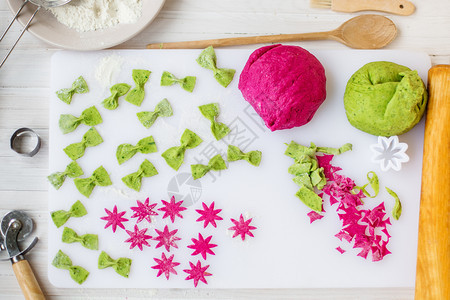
(389, 153)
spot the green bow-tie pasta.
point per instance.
(126, 151)
(187, 83)
(77, 273)
(88, 240)
(72, 170)
(85, 185)
(136, 95)
(234, 153)
(211, 112)
(162, 109)
(133, 180)
(175, 156)
(216, 164)
(208, 60)
(117, 90)
(90, 117)
(121, 265)
(60, 217)
(90, 139)
(79, 86)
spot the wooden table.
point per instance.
(24, 90)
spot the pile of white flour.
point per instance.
(90, 15)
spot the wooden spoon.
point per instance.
(361, 32)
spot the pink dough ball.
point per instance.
(284, 84)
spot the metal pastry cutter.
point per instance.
(15, 227)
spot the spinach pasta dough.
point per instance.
(385, 99)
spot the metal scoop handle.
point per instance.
(23, 31)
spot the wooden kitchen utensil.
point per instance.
(398, 7)
(433, 260)
(361, 32)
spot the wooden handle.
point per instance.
(27, 281)
(398, 7)
(279, 38)
(433, 252)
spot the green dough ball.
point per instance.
(385, 99)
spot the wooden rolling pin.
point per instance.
(433, 253)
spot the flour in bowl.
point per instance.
(90, 15)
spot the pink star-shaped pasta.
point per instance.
(197, 273)
(242, 227)
(114, 218)
(166, 238)
(144, 211)
(138, 238)
(208, 215)
(202, 246)
(165, 265)
(172, 209)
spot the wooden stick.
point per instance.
(277, 38)
(433, 253)
(28, 283)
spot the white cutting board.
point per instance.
(287, 251)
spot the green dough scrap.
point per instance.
(385, 99)
(174, 156)
(216, 164)
(162, 109)
(126, 151)
(234, 154)
(208, 60)
(374, 183)
(211, 112)
(187, 83)
(77, 273)
(137, 94)
(79, 86)
(121, 265)
(90, 139)
(72, 170)
(90, 116)
(117, 90)
(60, 217)
(307, 173)
(89, 241)
(134, 180)
(397, 210)
(100, 177)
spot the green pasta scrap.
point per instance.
(121, 265)
(137, 94)
(72, 170)
(134, 180)
(234, 154)
(215, 164)
(77, 273)
(307, 173)
(90, 117)
(89, 241)
(117, 90)
(60, 217)
(126, 151)
(374, 183)
(174, 156)
(90, 139)
(211, 112)
(99, 177)
(79, 86)
(208, 60)
(397, 210)
(187, 83)
(162, 109)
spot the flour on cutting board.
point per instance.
(284, 242)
